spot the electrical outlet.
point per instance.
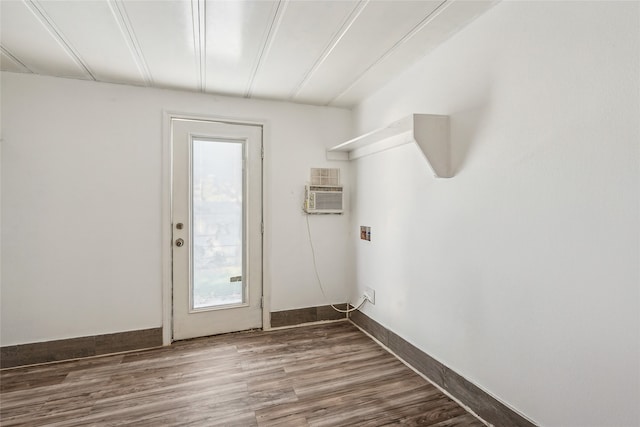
(370, 295)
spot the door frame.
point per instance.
(167, 228)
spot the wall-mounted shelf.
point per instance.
(429, 131)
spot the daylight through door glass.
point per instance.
(217, 224)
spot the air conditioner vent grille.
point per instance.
(326, 201)
(324, 188)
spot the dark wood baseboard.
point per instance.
(476, 399)
(306, 315)
(73, 348)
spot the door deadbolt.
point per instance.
(179, 242)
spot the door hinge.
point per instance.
(262, 152)
(262, 227)
(262, 301)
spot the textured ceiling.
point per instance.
(315, 52)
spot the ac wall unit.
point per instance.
(323, 199)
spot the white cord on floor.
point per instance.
(315, 269)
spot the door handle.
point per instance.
(179, 243)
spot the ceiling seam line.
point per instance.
(126, 28)
(415, 30)
(202, 32)
(14, 58)
(268, 42)
(58, 36)
(197, 21)
(342, 31)
(195, 39)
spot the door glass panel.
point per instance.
(217, 225)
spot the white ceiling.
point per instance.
(316, 52)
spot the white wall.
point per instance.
(521, 272)
(82, 177)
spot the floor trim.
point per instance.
(74, 348)
(470, 395)
(306, 315)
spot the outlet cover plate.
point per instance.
(370, 294)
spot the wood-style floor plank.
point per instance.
(320, 375)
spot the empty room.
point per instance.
(320, 213)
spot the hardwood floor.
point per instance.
(320, 375)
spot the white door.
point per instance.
(217, 227)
